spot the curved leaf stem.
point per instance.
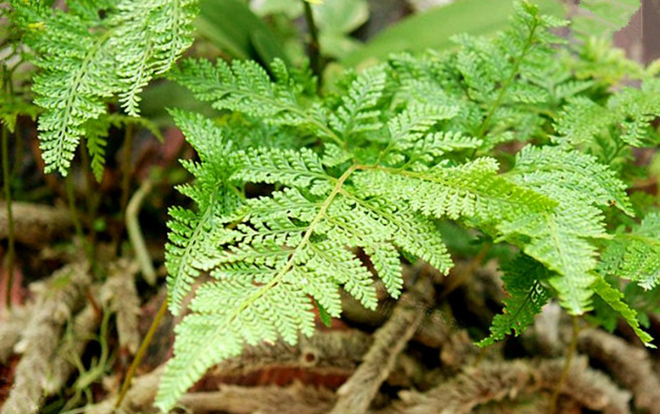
(313, 47)
(11, 249)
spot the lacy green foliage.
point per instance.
(635, 255)
(614, 298)
(97, 132)
(607, 131)
(560, 239)
(379, 161)
(13, 106)
(601, 62)
(85, 60)
(603, 17)
(194, 236)
(523, 279)
(495, 81)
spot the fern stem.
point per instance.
(11, 249)
(140, 353)
(126, 168)
(92, 198)
(76, 219)
(125, 183)
(507, 83)
(313, 47)
(570, 353)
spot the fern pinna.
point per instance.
(369, 170)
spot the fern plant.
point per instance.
(352, 183)
(97, 50)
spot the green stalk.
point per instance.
(76, 219)
(140, 353)
(10, 217)
(313, 47)
(126, 169)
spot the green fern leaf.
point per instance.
(560, 239)
(85, 60)
(470, 190)
(245, 87)
(77, 78)
(96, 140)
(636, 255)
(387, 264)
(248, 315)
(626, 118)
(523, 279)
(292, 168)
(194, 236)
(356, 114)
(148, 37)
(603, 17)
(614, 298)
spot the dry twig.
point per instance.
(356, 394)
(628, 364)
(121, 297)
(514, 380)
(56, 302)
(295, 399)
(12, 326)
(35, 225)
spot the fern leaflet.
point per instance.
(523, 279)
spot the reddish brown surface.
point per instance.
(330, 378)
(17, 291)
(7, 377)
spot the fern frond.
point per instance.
(614, 298)
(380, 163)
(523, 279)
(96, 141)
(580, 178)
(335, 155)
(489, 70)
(292, 168)
(86, 60)
(97, 133)
(387, 264)
(440, 143)
(356, 114)
(77, 77)
(245, 87)
(269, 304)
(195, 236)
(603, 18)
(298, 239)
(637, 108)
(409, 133)
(473, 189)
(625, 119)
(248, 315)
(560, 239)
(636, 255)
(419, 237)
(409, 125)
(148, 37)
